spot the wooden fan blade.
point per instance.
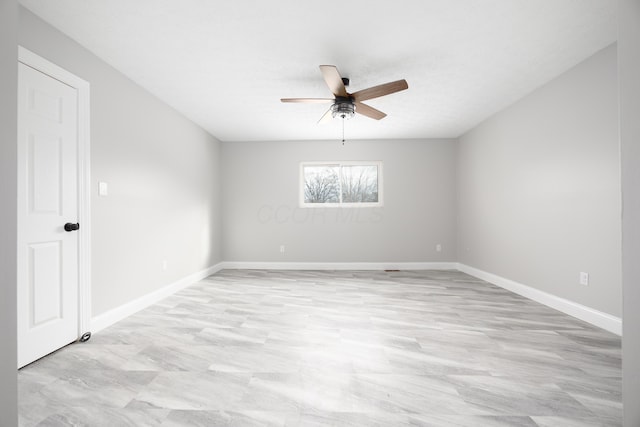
(308, 100)
(365, 110)
(380, 90)
(326, 117)
(334, 80)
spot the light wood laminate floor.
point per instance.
(345, 348)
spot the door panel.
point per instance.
(47, 199)
(44, 177)
(45, 283)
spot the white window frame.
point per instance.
(377, 163)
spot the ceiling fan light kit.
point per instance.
(343, 108)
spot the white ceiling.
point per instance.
(225, 65)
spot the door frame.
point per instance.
(38, 63)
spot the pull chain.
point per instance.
(343, 129)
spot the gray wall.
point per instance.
(261, 206)
(8, 185)
(163, 176)
(629, 66)
(539, 188)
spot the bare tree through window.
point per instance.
(341, 184)
(321, 184)
(359, 184)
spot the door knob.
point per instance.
(71, 226)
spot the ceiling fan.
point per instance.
(344, 104)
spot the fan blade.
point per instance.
(365, 110)
(308, 100)
(380, 90)
(326, 117)
(333, 79)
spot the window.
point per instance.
(355, 184)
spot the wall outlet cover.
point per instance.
(584, 278)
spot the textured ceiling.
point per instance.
(225, 65)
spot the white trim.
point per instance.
(82, 87)
(598, 318)
(114, 315)
(243, 265)
(603, 320)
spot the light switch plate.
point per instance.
(103, 188)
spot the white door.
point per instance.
(47, 200)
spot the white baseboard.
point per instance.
(603, 320)
(598, 318)
(112, 316)
(243, 265)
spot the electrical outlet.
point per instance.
(438, 247)
(584, 278)
(281, 249)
